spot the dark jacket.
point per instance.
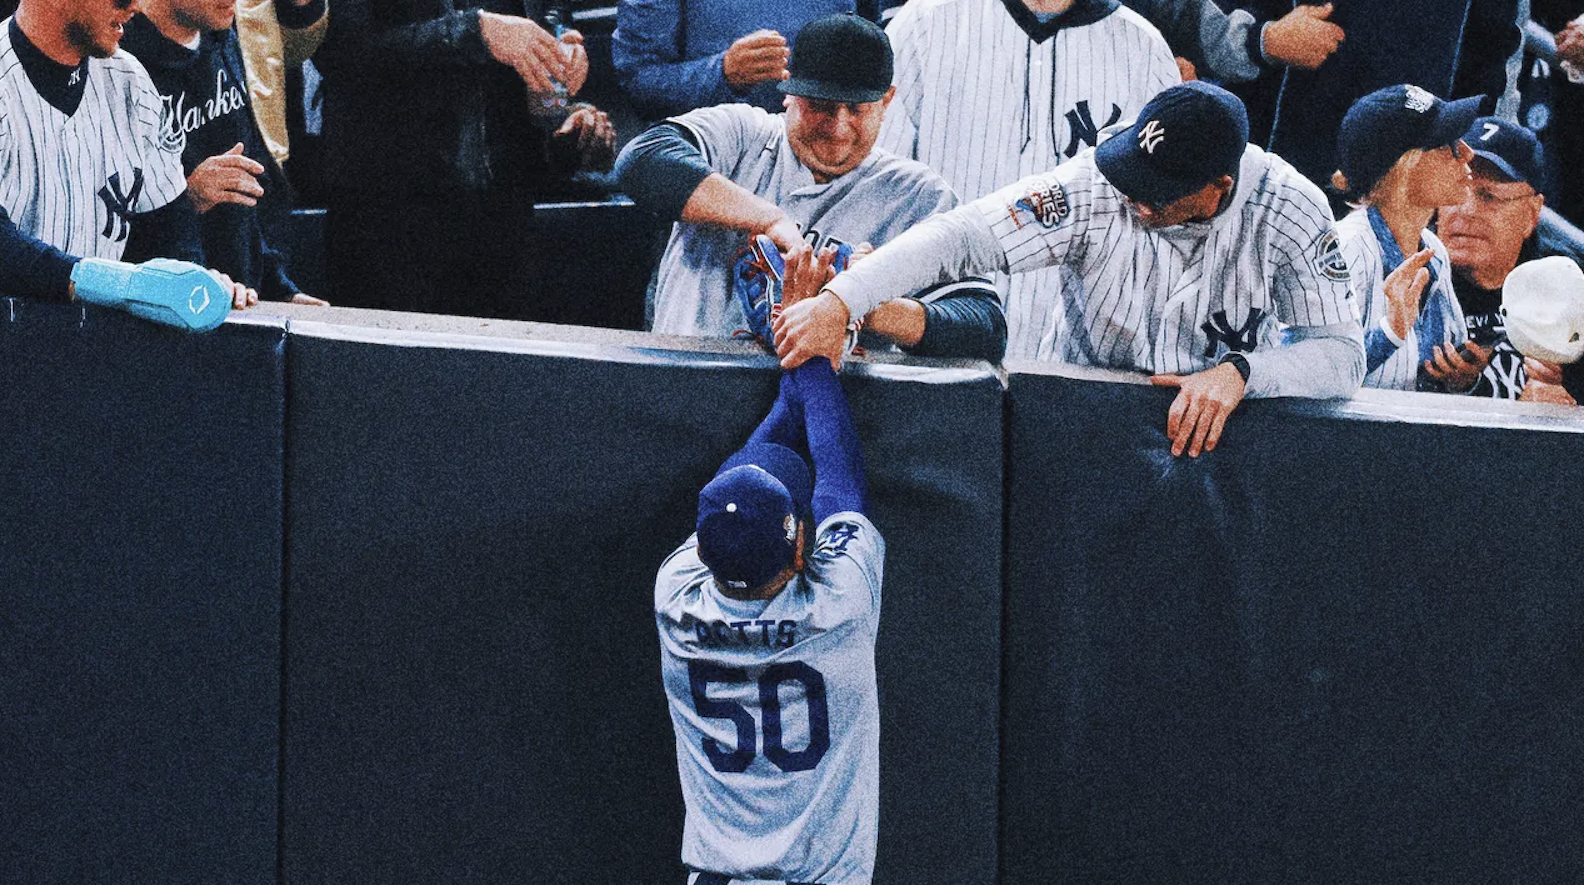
(416, 105)
(206, 95)
(1407, 41)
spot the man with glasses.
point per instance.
(1500, 224)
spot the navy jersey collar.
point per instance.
(60, 85)
(1083, 12)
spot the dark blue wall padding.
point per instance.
(140, 598)
(1344, 647)
(473, 688)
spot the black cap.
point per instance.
(1511, 148)
(1382, 126)
(842, 57)
(1186, 137)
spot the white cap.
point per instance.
(1543, 304)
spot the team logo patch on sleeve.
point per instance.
(1047, 203)
(1328, 258)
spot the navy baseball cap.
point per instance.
(1511, 148)
(1382, 126)
(1185, 138)
(842, 57)
(748, 514)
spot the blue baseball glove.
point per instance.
(757, 274)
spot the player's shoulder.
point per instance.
(716, 125)
(1272, 183)
(848, 561)
(680, 577)
(906, 175)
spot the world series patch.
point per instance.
(1328, 258)
(1047, 203)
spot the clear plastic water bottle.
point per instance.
(555, 102)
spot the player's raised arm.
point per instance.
(839, 485)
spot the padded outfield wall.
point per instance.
(340, 597)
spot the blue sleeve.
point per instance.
(784, 425)
(647, 52)
(839, 483)
(661, 168)
(171, 231)
(31, 268)
(966, 321)
(1377, 348)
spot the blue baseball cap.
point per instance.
(1185, 138)
(1511, 148)
(1382, 126)
(748, 514)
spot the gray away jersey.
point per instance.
(776, 712)
(981, 103)
(72, 181)
(881, 198)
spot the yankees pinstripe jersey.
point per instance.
(1169, 300)
(1371, 254)
(776, 712)
(72, 177)
(986, 95)
(882, 197)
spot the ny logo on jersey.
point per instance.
(1151, 136)
(118, 205)
(75, 78)
(1241, 339)
(1080, 122)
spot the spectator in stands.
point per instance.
(808, 178)
(1408, 41)
(676, 55)
(1402, 155)
(1034, 86)
(119, 194)
(233, 181)
(1565, 137)
(277, 36)
(1501, 223)
(1240, 45)
(433, 156)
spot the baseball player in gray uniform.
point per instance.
(1190, 255)
(87, 174)
(767, 639)
(812, 181)
(991, 91)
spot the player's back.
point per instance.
(776, 712)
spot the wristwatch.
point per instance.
(1238, 361)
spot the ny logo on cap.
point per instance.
(1151, 135)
